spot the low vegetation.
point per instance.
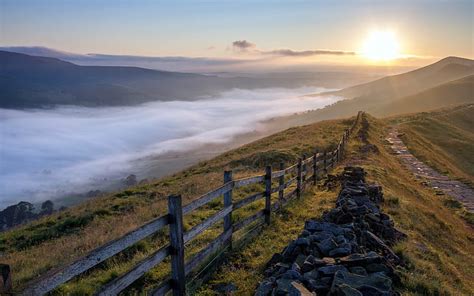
(54, 241)
(443, 139)
(436, 253)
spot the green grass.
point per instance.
(54, 241)
(443, 139)
(438, 250)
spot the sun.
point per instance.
(381, 46)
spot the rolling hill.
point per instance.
(445, 83)
(33, 81)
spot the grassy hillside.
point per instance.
(446, 83)
(443, 139)
(35, 248)
(395, 86)
(436, 252)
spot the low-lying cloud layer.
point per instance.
(47, 153)
(244, 46)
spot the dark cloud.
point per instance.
(243, 45)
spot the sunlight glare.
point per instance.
(381, 46)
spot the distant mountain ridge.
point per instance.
(35, 82)
(444, 70)
(445, 83)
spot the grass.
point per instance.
(443, 139)
(438, 250)
(51, 242)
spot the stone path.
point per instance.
(441, 183)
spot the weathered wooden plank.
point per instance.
(162, 289)
(212, 247)
(290, 194)
(204, 199)
(241, 203)
(281, 181)
(247, 181)
(308, 160)
(290, 181)
(178, 277)
(277, 174)
(248, 220)
(299, 178)
(5, 279)
(114, 287)
(228, 203)
(291, 168)
(196, 230)
(60, 276)
(268, 194)
(315, 169)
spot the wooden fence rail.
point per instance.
(307, 171)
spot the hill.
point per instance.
(435, 251)
(34, 81)
(400, 85)
(423, 89)
(443, 139)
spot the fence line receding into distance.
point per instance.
(307, 170)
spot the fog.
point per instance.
(51, 152)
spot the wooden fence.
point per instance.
(307, 170)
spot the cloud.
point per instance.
(51, 153)
(306, 53)
(243, 45)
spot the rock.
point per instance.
(326, 246)
(345, 290)
(358, 270)
(283, 286)
(339, 252)
(292, 275)
(330, 270)
(376, 280)
(377, 267)
(265, 288)
(360, 259)
(297, 289)
(346, 239)
(302, 241)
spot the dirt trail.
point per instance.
(443, 184)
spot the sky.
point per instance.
(314, 30)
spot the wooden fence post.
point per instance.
(299, 178)
(281, 183)
(178, 276)
(315, 169)
(228, 203)
(304, 172)
(325, 166)
(5, 279)
(268, 194)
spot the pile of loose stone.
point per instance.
(348, 253)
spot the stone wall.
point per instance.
(347, 253)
